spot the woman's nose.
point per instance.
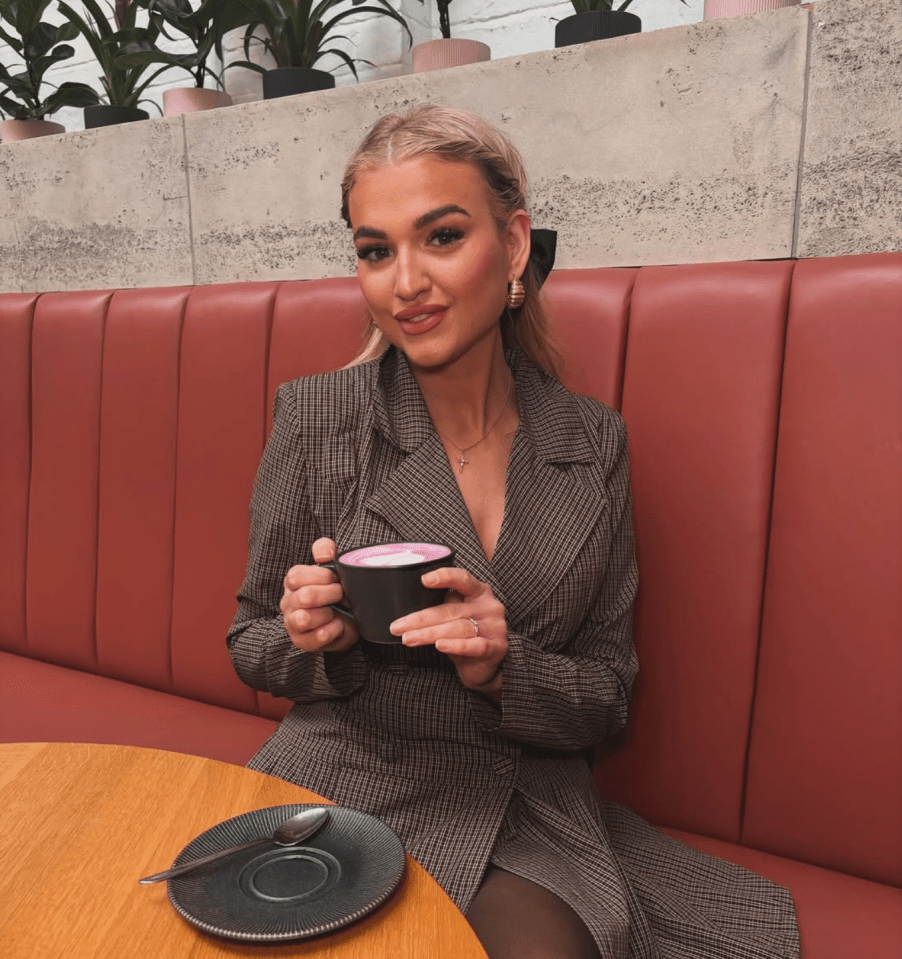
(411, 279)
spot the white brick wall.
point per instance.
(509, 27)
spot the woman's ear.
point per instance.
(518, 226)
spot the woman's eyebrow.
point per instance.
(372, 233)
(437, 214)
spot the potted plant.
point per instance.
(204, 27)
(297, 33)
(39, 45)
(596, 20)
(448, 51)
(123, 85)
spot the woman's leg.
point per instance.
(518, 919)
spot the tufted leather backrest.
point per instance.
(63, 495)
(825, 765)
(701, 395)
(16, 315)
(764, 404)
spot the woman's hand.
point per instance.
(311, 623)
(470, 626)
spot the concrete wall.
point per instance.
(750, 138)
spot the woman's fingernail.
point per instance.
(397, 627)
(430, 578)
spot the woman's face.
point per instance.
(432, 263)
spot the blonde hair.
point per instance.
(460, 137)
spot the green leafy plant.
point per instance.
(204, 27)
(123, 85)
(585, 6)
(444, 17)
(39, 45)
(298, 30)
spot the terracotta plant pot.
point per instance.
(739, 8)
(595, 25)
(103, 115)
(287, 81)
(193, 100)
(448, 52)
(11, 130)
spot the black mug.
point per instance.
(383, 582)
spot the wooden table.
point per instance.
(79, 824)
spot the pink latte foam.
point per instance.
(395, 554)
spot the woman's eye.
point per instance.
(372, 253)
(446, 235)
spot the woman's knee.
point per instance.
(515, 918)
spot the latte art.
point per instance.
(404, 558)
(395, 554)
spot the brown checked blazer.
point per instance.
(353, 455)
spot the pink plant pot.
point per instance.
(739, 8)
(438, 54)
(192, 100)
(11, 130)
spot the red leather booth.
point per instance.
(764, 405)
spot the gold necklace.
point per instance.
(462, 462)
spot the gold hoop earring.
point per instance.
(516, 294)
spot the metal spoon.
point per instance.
(290, 833)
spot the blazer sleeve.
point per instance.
(579, 695)
(283, 528)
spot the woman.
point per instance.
(452, 427)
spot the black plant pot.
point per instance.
(595, 25)
(104, 115)
(286, 81)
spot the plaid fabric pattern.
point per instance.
(353, 455)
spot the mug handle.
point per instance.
(330, 564)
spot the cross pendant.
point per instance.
(462, 462)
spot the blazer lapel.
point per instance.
(422, 501)
(554, 496)
(419, 497)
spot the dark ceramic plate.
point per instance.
(278, 893)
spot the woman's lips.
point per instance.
(413, 324)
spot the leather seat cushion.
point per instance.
(41, 702)
(839, 915)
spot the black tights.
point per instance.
(515, 918)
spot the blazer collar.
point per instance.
(399, 410)
(549, 413)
